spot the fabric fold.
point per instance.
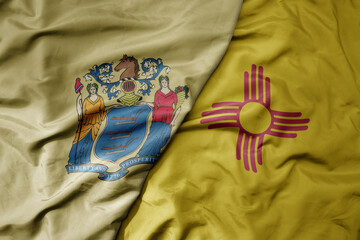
(80, 123)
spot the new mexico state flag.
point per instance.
(271, 149)
(90, 94)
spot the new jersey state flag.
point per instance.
(91, 93)
(271, 149)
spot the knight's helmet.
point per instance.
(128, 86)
(130, 98)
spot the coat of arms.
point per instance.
(111, 138)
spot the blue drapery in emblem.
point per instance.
(80, 152)
(124, 132)
(157, 139)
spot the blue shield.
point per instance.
(124, 132)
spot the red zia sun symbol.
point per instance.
(255, 119)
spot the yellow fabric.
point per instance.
(307, 187)
(45, 46)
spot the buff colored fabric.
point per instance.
(307, 187)
(44, 47)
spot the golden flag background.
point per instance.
(44, 46)
(307, 187)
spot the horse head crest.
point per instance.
(131, 66)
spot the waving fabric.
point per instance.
(91, 92)
(271, 149)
